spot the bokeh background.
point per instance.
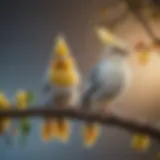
(27, 32)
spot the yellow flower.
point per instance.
(144, 57)
(90, 134)
(54, 128)
(46, 131)
(22, 99)
(4, 105)
(63, 130)
(140, 142)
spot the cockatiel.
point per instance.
(4, 105)
(107, 80)
(64, 80)
(117, 75)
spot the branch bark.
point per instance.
(109, 120)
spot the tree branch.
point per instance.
(113, 23)
(142, 20)
(109, 120)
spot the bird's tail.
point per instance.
(140, 142)
(63, 129)
(91, 133)
(46, 130)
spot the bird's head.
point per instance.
(114, 46)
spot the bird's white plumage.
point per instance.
(109, 77)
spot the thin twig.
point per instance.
(108, 120)
(142, 20)
(113, 23)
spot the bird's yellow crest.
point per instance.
(61, 47)
(108, 38)
(105, 36)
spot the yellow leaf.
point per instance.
(46, 131)
(54, 128)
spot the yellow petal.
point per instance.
(22, 99)
(91, 133)
(54, 128)
(140, 142)
(46, 132)
(63, 130)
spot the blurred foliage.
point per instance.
(4, 105)
(140, 142)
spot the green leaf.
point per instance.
(25, 126)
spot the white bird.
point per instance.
(107, 80)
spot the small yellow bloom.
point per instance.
(22, 99)
(63, 130)
(140, 142)
(90, 134)
(46, 131)
(4, 105)
(144, 57)
(54, 128)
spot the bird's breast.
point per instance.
(64, 78)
